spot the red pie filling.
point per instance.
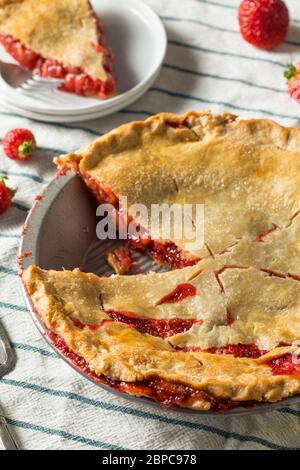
(164, 328)
(239, 350)
(166, 393)
(165, 253)
(171, 254)
(161, 328)
(82, 325)
(181, 292)
(103, 194)
(260, 237)
(271, 273)
(229, 318)
(285, 365)
(178, 125)
(120, 260)
(75, 79)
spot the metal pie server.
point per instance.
(7, 362)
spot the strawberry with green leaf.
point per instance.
(292, 74)
(6, 195)
(19, 144)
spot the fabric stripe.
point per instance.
(66, 435)
(142, 414)
(53, 150)
(224, 53)
(136, 111)
(9, 271)
(292, 43)
(7, 235)
(35, 349)
(223, 5)
(290, 411)
(76, 128)
(202, 100)
(65, 126)
(57, 124)
(37, 179)
(29, 347)
(218, 77)
(215, 27)
(45, 149)
(20, 207)
(199, 22)
(220, 103)
(18, 308)
(231, 7)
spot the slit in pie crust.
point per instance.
(224, 330)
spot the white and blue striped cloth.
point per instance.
(47, 403)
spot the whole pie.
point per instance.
(221, 327)
(60, 39)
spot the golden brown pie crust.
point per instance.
(247, 284)
(122, 353)
(246, 173)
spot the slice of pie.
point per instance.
(223, 331)
(60, 39)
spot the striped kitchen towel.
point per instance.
(49, 405)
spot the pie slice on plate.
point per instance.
(60, 39)
(224, 329)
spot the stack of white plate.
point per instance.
(138, 40)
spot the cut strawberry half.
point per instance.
(68, 43)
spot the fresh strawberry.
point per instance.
(19, 144)
(292, 74)
(264, 23)
(6, 195)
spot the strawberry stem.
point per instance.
(291, 72)
(12, 191)
(25, 148)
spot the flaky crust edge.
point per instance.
(203, 125)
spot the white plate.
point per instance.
(138, 39)
(75, 117)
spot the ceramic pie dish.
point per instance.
(218, 331)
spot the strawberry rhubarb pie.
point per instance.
(60, 39)
(221, 327)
